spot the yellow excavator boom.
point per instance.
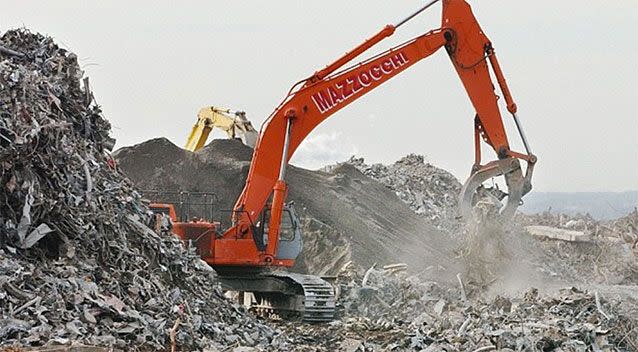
(236, 126)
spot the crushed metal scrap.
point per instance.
(77, 262)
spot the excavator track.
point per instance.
(319, 296)
(280, 294)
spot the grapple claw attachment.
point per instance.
(517, 186)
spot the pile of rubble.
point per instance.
(78, 263)
(387, 293)
(624, 228)
(399, 315)
(592, 251)
(578, 222)
(572, 320)
(428, 190)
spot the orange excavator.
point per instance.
(265, 233)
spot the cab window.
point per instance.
(287, 227)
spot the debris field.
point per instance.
(82, 266)
(77, 260)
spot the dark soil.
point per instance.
(346, 215)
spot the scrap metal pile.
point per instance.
(77, 261)
(585, 250)
(428, 190)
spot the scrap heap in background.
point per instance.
(77, 262)
(428, 190)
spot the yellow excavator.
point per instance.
(234, 123)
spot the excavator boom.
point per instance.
(326, 92)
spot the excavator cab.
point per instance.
(290, 236)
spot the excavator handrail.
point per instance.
(184, 201)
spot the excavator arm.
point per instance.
(210, 117)
(314, 99)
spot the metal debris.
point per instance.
(429, 318)
(611, 246)
(37, 234)
(78, 263)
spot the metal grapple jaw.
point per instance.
(518, 185)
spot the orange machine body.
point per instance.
(199, 232)
(164, 208)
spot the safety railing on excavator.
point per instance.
(188, 205)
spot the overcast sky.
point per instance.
(570, 64)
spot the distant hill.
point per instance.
(600, 205)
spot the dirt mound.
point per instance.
(346, 215)
(221, 167)
(77, 261)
